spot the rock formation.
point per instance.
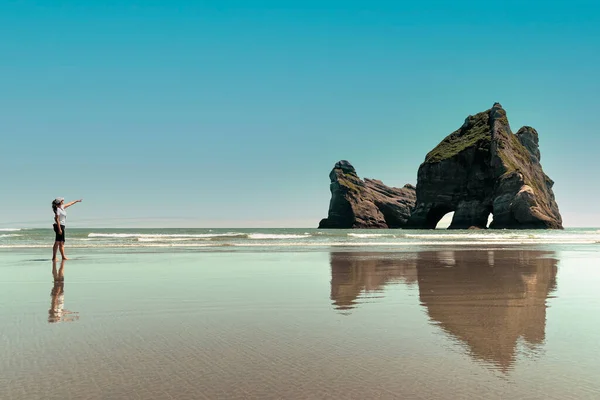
(482, 169)
(365, 204)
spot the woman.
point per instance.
(60, 219)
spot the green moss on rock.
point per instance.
(474, 133)
(343, 180)
(517, 159)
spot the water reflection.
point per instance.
(356, 274)
(57, 313)
(491, 301)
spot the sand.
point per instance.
(442, 323)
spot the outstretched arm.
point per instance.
(71, 203)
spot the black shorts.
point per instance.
(59, 237)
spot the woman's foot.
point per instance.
(65, 258)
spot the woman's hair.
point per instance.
(54, 207)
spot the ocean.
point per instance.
(300, 314)
(298, 239)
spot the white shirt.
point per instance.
(62, 215)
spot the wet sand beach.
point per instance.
(438, 323)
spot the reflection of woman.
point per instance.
(60, 219)
(57, 313)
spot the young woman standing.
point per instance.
(60, 219)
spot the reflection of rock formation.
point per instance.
(488, 299)
(353, 273)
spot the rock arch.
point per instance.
(482, 169)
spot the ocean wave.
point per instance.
(102, 246)
(9, 229)
(567, 236)
(170, 239)
(503, 236)
(370, 235)
(165, 235)
(9, 235)
(488, 236)
(305, 244)
(258, 236)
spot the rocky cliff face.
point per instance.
(482, 169)
(365, 204)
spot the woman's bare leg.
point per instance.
(54, 249)
(62, 250)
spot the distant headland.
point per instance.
(480, 169)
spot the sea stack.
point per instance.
(481, 169)
(357, 203)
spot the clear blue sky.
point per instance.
(232, 113)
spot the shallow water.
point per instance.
(295, 239)
(452, 323)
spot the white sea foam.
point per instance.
(162, 235)
(102, 246)
(170, 239)
(370, 235)
(305, 244)
(471, 236)
(9, 229)
(506, 236)
(259, 236)
(303, 238)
